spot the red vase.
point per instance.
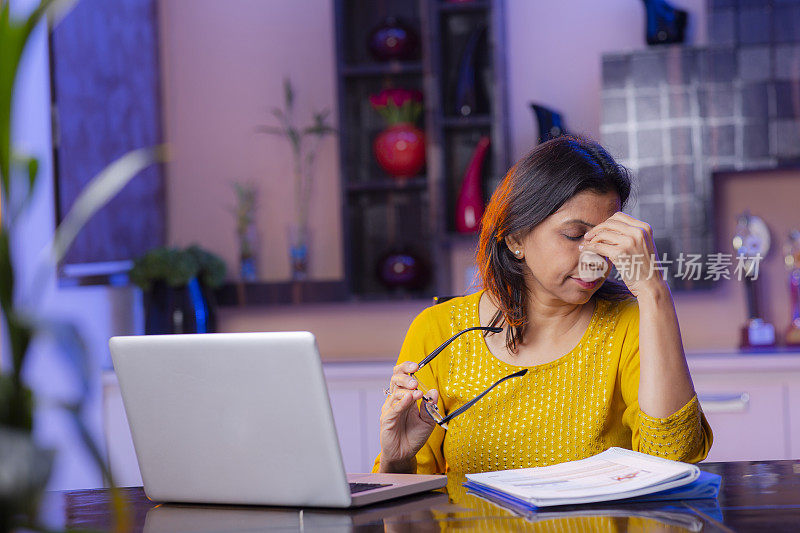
(469, 205)
(400, 150)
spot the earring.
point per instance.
(517, 252)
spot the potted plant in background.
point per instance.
(177, 288)
(305, 143)
(25, 466)
(246, 234)
(400, 148)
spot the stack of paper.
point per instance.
(614, 474)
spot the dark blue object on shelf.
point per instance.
(470, 97)
(393, 40)
(665, 24)
(187, 309)
(402, 269)
(550, 123)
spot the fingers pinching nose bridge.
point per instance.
(591, 266)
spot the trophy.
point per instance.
(792, 258)
(751, 242)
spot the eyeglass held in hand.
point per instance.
(430, 406)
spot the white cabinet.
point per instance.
(356, 392)
(747, 420)
(793, 418)
(119, 444)
(751, 401)
(748, 402)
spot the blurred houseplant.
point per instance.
(400, 148)
(24, 466)
(177, 287)
(246, 234)
(305, 143)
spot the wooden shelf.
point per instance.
(253, 293)
(378, 210)
(369, 70)
(462, 7)
(475, 121)
(398, 295)
(388, 185)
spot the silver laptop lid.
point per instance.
(231, 418)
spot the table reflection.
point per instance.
(450, 509)
(755, 496)
(470, 512)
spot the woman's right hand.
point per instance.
(404, 427)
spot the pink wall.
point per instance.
(223, 65)
(223, 68)
(710, 320)
(554, 57)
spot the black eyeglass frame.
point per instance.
(431, 407)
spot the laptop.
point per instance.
(241, 418)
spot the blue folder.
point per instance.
(707, 485)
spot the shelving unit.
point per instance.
(381, 214)
(454, 135)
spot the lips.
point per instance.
(585, 284)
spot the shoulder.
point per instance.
(452, 307)
(624, 329)
(436, 323)
(624, 314)
(453, 314)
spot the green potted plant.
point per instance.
(246, 235)
(177, 286)
(305, 143)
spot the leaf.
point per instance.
(14, 37)
(278, 113)
(20, 334)
(70, 344)
(319, 130)
(320, 116)
(172, 266)
(294, 138)
(99, 191)
(33, 170)
(16, 404)
(75, 410)
(6, 271)
(288, 93)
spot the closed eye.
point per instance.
(573, 238)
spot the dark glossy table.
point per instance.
(755, 496)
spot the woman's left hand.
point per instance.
(628, 243)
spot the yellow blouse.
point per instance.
(571, 408)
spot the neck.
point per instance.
(550, 318)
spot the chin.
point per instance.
(577, 297)
(583, 297)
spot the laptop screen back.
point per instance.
(231, 418)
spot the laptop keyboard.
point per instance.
(361, 487)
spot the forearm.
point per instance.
(665, 384)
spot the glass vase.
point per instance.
(248, 251)
(299, 252)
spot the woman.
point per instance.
(603, 361)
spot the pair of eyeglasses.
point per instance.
(430, 405)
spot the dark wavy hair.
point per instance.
(532, 190)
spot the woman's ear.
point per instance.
(515, 246)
